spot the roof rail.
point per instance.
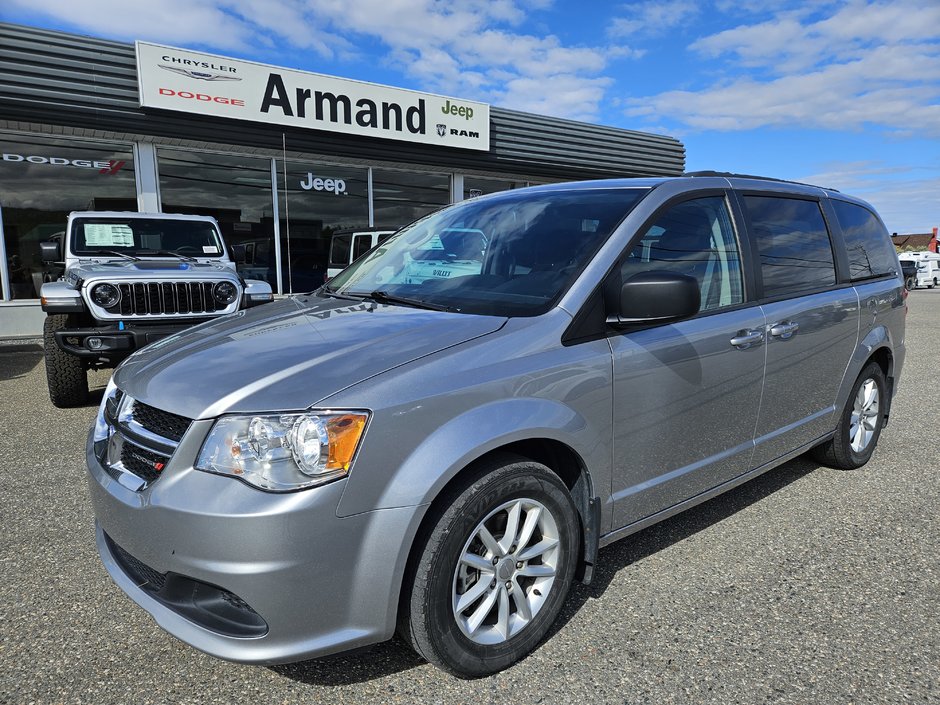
(752, 176)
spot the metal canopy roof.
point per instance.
(62, 83)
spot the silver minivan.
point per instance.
(439, 440)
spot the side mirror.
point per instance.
(239, 254)
(257, 292)
(50, 251)
(657, 297)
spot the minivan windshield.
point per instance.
(512, 254)
(135, 237)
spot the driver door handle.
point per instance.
(746, 338)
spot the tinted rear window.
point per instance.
(339, 251)
(871, 253)
(793, 242)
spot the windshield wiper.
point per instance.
(121, 254)
(327, 291)
(168, 253)
(383, 297)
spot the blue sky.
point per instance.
(844, 94)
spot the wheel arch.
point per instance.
(563, 460)
(877, 346)
(560, 458)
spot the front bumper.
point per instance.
(320, 583)
(115, 344)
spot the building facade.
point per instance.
(89, 124)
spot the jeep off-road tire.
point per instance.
(68, 380)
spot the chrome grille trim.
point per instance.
(126, 433)
(148, 299)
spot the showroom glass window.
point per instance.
(474, 186)
(317, 200)
(43, 179)
(793, 242)
(233, 189)
(401, 197)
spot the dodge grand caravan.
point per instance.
(442, 450)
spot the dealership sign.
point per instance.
(192, 82)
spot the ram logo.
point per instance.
(441, 130)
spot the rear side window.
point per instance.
(339, 252)
(870, 251)
(361, 245)
(793, 242)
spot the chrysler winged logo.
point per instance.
(201, 75)
(441, 130)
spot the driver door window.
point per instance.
(695, 238)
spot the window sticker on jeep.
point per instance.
(210, 250)
(108, 235)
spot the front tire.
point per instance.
(860, 424)
(491, 574)
(66, 375)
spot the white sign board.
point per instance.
(193, 82)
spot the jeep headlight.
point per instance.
(224, 293)
(106, 295)
(284, 452)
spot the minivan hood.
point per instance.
(287, 355)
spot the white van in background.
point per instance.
(347, 247)
(928, 267)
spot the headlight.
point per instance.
(107, 402)
(284, 452)
(225, 293)
(105, 295)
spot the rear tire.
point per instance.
(476, 606)
(860, 425)
(65, 373)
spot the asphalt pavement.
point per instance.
(806, 585)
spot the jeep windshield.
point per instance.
(513, 254)
(145, 237)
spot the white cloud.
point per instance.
(652, 17)
(863, 63)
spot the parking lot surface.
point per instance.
(806, 585)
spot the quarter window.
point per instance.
(793, 242)
(870, 251)
(696, 238)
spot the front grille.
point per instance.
(166, 298)
(162, 423)
(144, 463)
(146, 577)
(207, 605)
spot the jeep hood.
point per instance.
(177, 269)
(287, 355)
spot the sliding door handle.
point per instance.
(784, 330)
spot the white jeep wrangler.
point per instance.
(131, 279)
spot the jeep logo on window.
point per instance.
(315, 183)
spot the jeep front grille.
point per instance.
(163, 298)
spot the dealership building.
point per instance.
(281, 158)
